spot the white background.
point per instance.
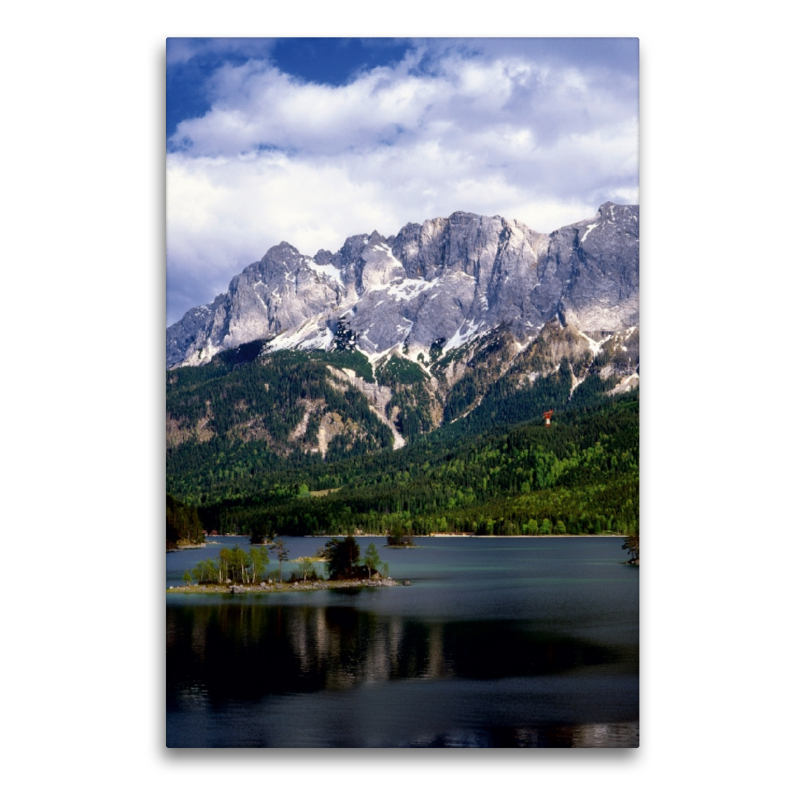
(83, 331)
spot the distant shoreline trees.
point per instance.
(183, 524)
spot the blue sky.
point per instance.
(313, 140)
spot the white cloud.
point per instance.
(278, 159)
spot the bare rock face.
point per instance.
(442, 284)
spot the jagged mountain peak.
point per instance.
(444, 281)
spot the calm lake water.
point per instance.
(497, 643)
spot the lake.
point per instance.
(498, 642)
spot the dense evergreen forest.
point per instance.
(246, 415)
(579, 475)
(246, 412)
(183, 524)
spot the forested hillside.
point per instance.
(579, 475)
(297, 442)
(251, 411)
(240, 415)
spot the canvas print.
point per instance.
(402, 393)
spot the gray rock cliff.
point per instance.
(446, 281)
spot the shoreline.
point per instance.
(180, 547)
(476, 536)
(428, 536)
(528, 536)
(279, 588)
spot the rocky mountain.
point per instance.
(456, 325)
(434, 286)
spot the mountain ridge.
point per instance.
(455, 325)
(434, 286)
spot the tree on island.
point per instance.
(306, 566)
(258, 560)
(344, 562)
(239, 564)
(342, 556)
(400, 536)
(205, 571)
(231, 565)
(225, 563)
(261, 534)
(631, 544)
(372, 561)
(282, 554)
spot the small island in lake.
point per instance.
(400, 536)
(237, 572)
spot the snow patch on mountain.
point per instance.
(311, 335)
(326, 270)
(595, 346)
(588, 231)
(410, 288)
(463, 335)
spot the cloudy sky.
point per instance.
(313, 140)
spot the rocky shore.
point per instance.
(269, 587)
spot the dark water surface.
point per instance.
(497, 643)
